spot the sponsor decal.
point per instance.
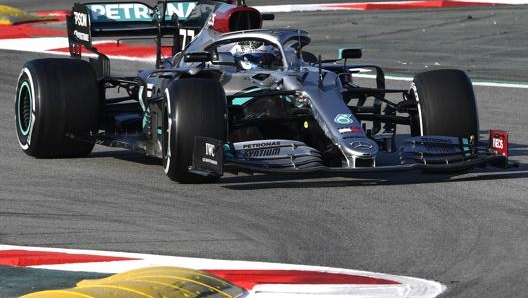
(261, 145)
(81, 22)
(181, 9)
(260, 152)
(349, 130)
(81, 36)
(435, 145)
(498, 142)
(208, 154)
(354, 137)
(120, 12)
(103, 12)
(343, 119)
(211, 161)
(439, 145)
(81, 19)
(440, 149)
(210, 150)
(361, 145)
(438, 140)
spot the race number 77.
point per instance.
(186, 36)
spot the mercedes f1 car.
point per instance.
(234, 97)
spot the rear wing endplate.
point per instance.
(126, 19)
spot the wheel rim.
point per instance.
(24, 113)
(166, 150)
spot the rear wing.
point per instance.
(179, 20)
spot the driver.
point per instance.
(256, 55)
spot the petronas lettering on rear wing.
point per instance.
(181, 21)
(127, 18)
(137, 11)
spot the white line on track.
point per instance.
(476, 82)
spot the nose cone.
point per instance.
(360, 148)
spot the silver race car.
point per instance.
(233, 97)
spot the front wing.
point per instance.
(432, 154)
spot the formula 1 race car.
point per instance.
(233, 97)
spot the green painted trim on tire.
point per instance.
(26, 127)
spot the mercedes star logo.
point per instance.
(361, 145)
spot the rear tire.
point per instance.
(446, 104)
(56, 97)
(194, 107)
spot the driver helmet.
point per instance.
(256, 55)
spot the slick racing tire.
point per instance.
(56, 99)
(446, 104)
(194, 107)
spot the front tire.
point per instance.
(194, 107)
(56, 98)
(446, 104)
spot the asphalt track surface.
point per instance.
(469, 231)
